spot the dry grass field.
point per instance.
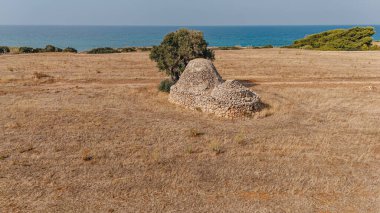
(91, 133)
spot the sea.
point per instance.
(88, 37)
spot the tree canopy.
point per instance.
(358, 38)
(177, 49)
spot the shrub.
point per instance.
(165, 85)
(229, 48)
(144, 49)
(4, 49)
(267, 46)
(358, 38)
(70, 50)
(253, 47)
(127, 49)
(25, 50)
(374, 47)
(178, 49)
(103, 50)
(307, 47)
(38, 50)
(50, 48)
(39, 75)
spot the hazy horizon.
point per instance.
(185, 13)
(253, 25)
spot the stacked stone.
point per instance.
(202, 88)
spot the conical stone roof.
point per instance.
(200, 76)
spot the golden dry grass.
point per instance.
(94, 135)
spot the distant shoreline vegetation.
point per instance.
(354, 39)
(48, 49)
(105, 50)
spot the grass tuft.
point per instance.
(216, 147)
(86, 155)
(40, 75)
(195, 133)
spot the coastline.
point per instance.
(14, 50)
(88, 37)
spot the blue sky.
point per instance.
(189, 12)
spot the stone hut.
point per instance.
(201, 88)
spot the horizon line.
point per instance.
(258, 25)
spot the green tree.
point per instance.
(178, 49)
(357, 38)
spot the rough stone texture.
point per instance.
(202, 88)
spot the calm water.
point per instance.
(87, 37)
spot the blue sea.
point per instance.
(87, 37)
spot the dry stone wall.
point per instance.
(200, 87)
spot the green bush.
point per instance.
(307, 47)
(50, 48)
(25, 50)
(254, 47)
(229, 48)
(70, 50)
(127, 49)
(4, 49)
(38, 50)
(374, 47)
(103, 50)
(178, 49)
(165, 85)
(144, 49)
(358, 38)
(267, 46)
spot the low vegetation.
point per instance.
(195, 133)
(25, 50)
(267, 46)
(109, 50)
(50, 48)
(145, 49)
(358, 38)
(229, 48)
(240, 48)
(178, 49)
(4, 49)
(127, 49)
(70, 50)
(103, 50)
(38, 50)
(165, 85)
(40, 75)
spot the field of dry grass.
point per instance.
(90, 133)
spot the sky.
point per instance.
(189, 12)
